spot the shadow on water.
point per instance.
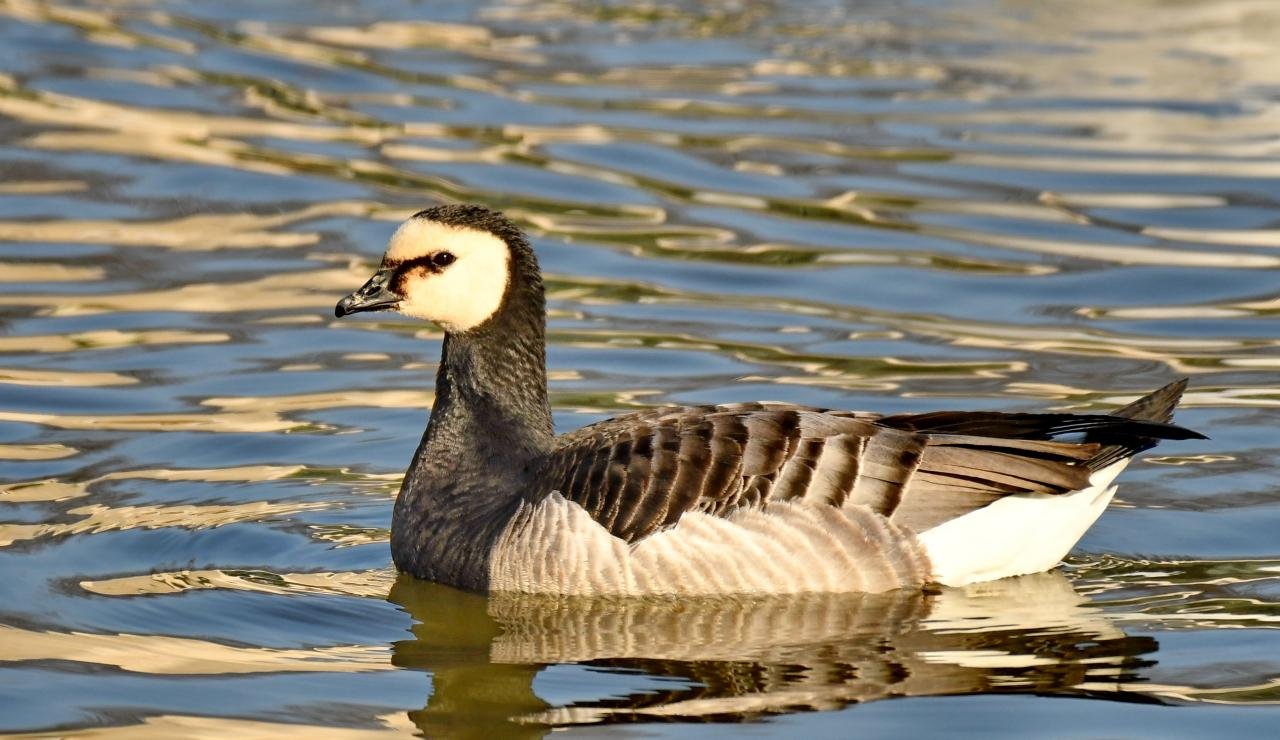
(738, 659)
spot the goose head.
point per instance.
(452, 265)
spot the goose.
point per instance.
(743, 498)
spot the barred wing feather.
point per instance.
(638, 474)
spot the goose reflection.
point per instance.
(733, 659)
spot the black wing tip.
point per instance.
(1151, 417)
(1159, 407)
(1170, 431)
(1155, 406)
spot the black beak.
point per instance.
(375, 295)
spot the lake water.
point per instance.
(886, 206)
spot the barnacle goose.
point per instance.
(738, 498)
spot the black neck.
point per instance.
(489, 426)
(491, 391)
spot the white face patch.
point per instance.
(462, 295)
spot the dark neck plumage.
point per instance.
(491, 389)
(490, 424)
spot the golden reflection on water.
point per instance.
(54, 489)
(1121, 255)
(84, 379)
(457, 37)
(156, 654)
(201, 232)
(374, 583)
(106, 339)
(272, 293)
(232, 415)
(33, 452)
(1235, 237)
(42, 187)
(166, 727)
(97, 518)
(33, 272)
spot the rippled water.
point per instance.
(889, 206)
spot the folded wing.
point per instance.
(638, 474)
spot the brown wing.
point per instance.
(639, 473)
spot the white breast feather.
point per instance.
(555, 546)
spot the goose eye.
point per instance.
(443, 259)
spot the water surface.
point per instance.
(888, 206)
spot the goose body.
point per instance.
(741, 498)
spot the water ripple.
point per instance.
(993, 205)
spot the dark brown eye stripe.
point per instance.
(404, 266)
(432, 263)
